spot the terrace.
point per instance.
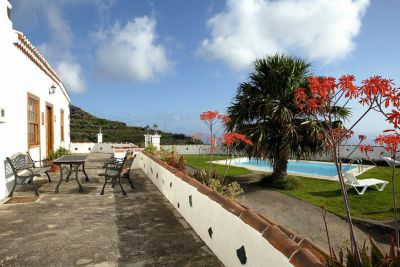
(142, 228)
(72, 229)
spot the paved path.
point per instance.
(299, 216)
(72, 229)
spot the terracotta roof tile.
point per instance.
(194, 183)
(289, 233)
(314, 249)
(254, 220)
(298, 239)
(204, 190)
(33, 54)
(304, 258)
(217, 197)
(233, 207)
(280, 240)
(267, 219)
(186, 178)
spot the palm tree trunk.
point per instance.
(280, 166)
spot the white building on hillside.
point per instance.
(34, 105)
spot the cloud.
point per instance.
(318, 29)
(72, 75)
(57, 49)
(131, 52)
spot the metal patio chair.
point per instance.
(117, 169)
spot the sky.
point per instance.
(165, 62)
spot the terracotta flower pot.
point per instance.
(54, 167)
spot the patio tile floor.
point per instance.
(73, 229)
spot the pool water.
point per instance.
(305, 167)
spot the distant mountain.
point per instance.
(85, 126)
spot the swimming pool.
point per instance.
(296, 167)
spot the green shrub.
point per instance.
(151, 149)
(230, 190)
(58, 153)
(166, 154)
(291, 183)
(216, 182)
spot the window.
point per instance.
(33, 121)
(62, 125)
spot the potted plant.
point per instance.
(55, 155)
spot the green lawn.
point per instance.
(372, 205)
(200, 162)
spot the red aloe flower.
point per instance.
(209, 116)
(362, 137)
(197, 136)
(394, 117)
(224, 118)
(366, 148)
(233, 138)
(390, 142)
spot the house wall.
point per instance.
(226, 227)
(20, 76)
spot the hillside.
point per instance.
(85, 126)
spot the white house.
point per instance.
(34, 105)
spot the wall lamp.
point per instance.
(52, 90)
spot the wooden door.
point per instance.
(49, 129)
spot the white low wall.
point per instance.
(193, 149)
(78, 147)
(227, 228)
(344, 151)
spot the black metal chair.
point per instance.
(25, 169)
(117, 169)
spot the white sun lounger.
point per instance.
(351, 181)
(391, 162)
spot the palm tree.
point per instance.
(264, 110)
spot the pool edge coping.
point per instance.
(321, 177)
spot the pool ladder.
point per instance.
(359, 164)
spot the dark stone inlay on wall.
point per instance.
(190, 201)
(76, 148)
(178, 205)
(157, 176)
(241, 254)
(210, 232)
(101, 148)
(170, 184)
(151, 170)
(163, 181)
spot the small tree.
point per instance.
(319, 103)
(215, 122)
(232, 142)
